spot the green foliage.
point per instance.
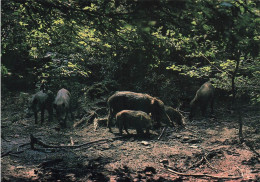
(132, 41)
(4, 70)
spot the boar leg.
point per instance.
(110, 116)
(50, 112)
(211, 106)
(203, 109)
(71, 115)
(139, 131)
(126, 131)
(120, 132)
(120, 127)
(35, 117)
(42, 116)
(65, 120)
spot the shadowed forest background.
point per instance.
(165, 48)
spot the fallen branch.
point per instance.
(210, 166)
(3, 137)
(85, 119)
(35, 140)
(99, 122)
(198, 163)
(201, 175)
(11, 153)
(204, 158)
(16, 151)
(164, 129)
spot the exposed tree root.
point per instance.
(252, 148)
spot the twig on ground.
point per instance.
(204, 158)
(198, 163)
(164, 129)
(201, 175)
(210, 166)
(85, 119)
(35, 140)
(11, 153)
(16, 151)
(3, 137)
(71, 141)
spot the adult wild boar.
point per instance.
(62, 105)
(126, 100)
(204, 96)
(138, 120)
(175, 115)
(40, 102)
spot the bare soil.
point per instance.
(208, 148)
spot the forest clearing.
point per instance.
(130, 90)
(209, 146)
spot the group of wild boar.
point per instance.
(44, 100)
(130, 110)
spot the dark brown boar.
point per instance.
(138, 120)
(126, 100)
(204, 96)
(40, 102)
(175, 116)
(62, 105)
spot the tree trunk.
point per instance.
(233, 81)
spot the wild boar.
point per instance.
(126, 100)
(139, 120)
(40, 102)
(204, 96)
(175, 116)
(62, 105)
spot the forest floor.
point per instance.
(208, 150)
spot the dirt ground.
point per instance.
(207, 150)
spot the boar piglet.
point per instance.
(40, 102)
(138, 120)
(204, 96)
(62, 105)
(126, 100)
(175, 116)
